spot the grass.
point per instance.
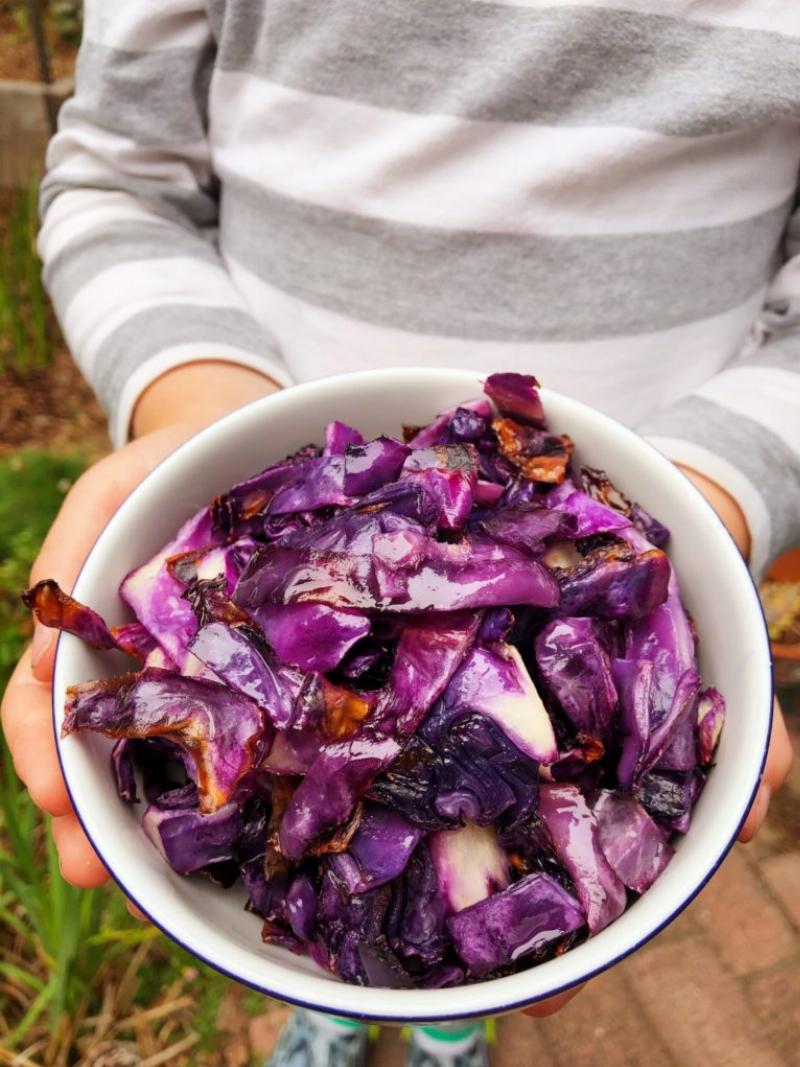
(25, 340)
(77, 973)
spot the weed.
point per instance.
(24, 317)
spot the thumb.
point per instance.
(86, 509)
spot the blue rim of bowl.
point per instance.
(516, 1005)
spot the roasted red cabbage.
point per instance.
(434, 701)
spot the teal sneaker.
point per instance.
(456, 1046)
(312, 1040)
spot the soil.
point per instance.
(18, 54)
(51, 407)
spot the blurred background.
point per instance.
(81, 982)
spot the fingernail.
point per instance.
(42, 639)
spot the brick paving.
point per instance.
(719, 988)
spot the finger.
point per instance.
(137, 913)
(80, 865)
(28, 727)
(553, 1004)
(85, 511)
(756, 815)
(779, 760)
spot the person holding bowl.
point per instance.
(242, 196)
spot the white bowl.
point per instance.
(211, 922)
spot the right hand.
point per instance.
(171, 410)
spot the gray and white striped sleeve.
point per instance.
(129, 210)
(742, 427)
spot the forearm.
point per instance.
(197, 394)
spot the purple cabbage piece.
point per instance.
(156, 595)
(429, 651)
(415, 923)
(293, 752)
(344, 922)
(266, 896)
(451, 577)
(577, 669)
(495, 682)
(381, 967)
(469, 426)
(680, 753)
(55, 608)
(599, 486)
(240, 511)
(573, 830)
(470, 865)
(378, 851)
(339, 437)
(189, 841)
(496, 625)
(517, 396)
(529, 918)
(658, 700)
(453, 492)
(590, 516)
(527, 526)
(459, 767)
(634, 681)
(634, 845)
(487, 494)
(438, 432)
(316, 483)
(123, 771)
(314, 637)
(134, 639)
(236, 656)
(222, 731)
(655, 532)
(369, 466)
(252, 840)
(608, 585)
(710, 719)
(164, 767)
(670, 796)
(301, 907)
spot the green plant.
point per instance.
(32, 486)
(24, 323)
(67, 19)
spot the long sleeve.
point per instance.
(130, 211)
(741, 428)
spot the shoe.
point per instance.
(429, 1048)
(310, 1040)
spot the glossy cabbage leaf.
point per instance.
(188, 840)
(577, 669)
(573, 830)
(634, 845)
(529, 918)
(222, 731)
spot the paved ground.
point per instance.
(719, 988)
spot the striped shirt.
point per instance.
(601, 193)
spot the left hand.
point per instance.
(779, 757)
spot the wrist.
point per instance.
(197, 394)
(725, 506)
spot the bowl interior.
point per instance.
(211, 922)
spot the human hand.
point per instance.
(169, 412)
(779, 756)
